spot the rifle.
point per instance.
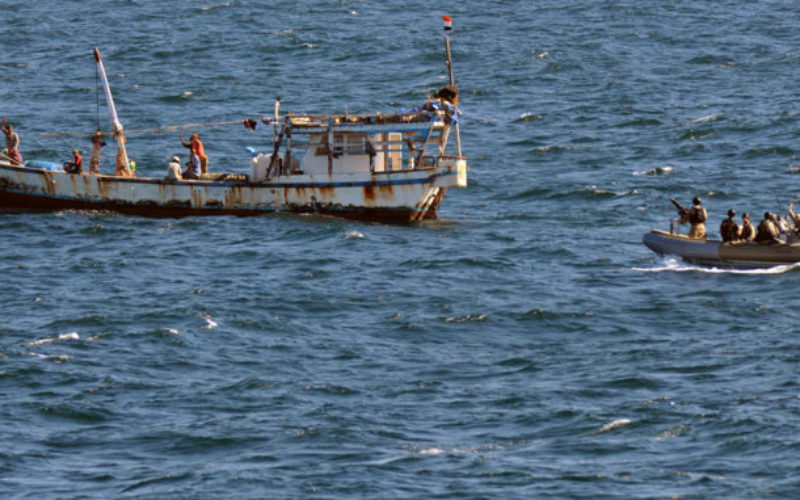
(681, 209)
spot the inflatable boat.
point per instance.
(739, 254)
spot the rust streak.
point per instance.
(234, 196)
(197, 198)
(369, 193)
(102, 187)
(162, 194)
(327, 193)
(387, 191)
(49, 183)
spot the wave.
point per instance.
(210, 323)
(535, 192)
(354, 234)
(465, 319)
(552, 148)
(613, 425)
(711, 59)
(639, 122)
(151, 481)
(50, 340)
(705, 119)
(585, 192)
(593, 191)
(769, 151)
(665, 170)
(671, 264)
(696, 134)
(77, 412)
(584, 139)
(529, 117)
(213, 7)
(183, 96)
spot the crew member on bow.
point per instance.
(696, 216)
(12, 142)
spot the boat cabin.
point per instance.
(324, 145)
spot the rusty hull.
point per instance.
(385, 197)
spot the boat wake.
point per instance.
(671, 264)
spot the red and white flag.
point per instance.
(448, 23)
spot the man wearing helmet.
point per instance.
(729, 229)
(748, 229)
(767, 230)
(696, 216)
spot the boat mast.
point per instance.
(448, 26)
(118, 131)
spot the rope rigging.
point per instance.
(97, 93)
(169, 128)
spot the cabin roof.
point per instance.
(299, 120)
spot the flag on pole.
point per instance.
(448, 23)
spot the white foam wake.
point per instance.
(672, 264)
(662, 170)
(705, 119)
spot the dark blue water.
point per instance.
(525, 345)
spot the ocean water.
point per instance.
(524, 345)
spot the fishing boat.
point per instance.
(377, 167)
(715, 253)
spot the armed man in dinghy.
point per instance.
(794, 223)
(696, 216)
(748, 230)
(768, 232)
(729, 229)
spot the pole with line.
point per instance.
(118, 131)
(448, 27)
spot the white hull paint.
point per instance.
(405, 195)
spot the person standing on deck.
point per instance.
(696, 216)
(98, 141)
(748, 230)
(196, 147)
(729, 229)
(12, 142)
(120, 168)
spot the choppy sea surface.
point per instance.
(524, 345)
